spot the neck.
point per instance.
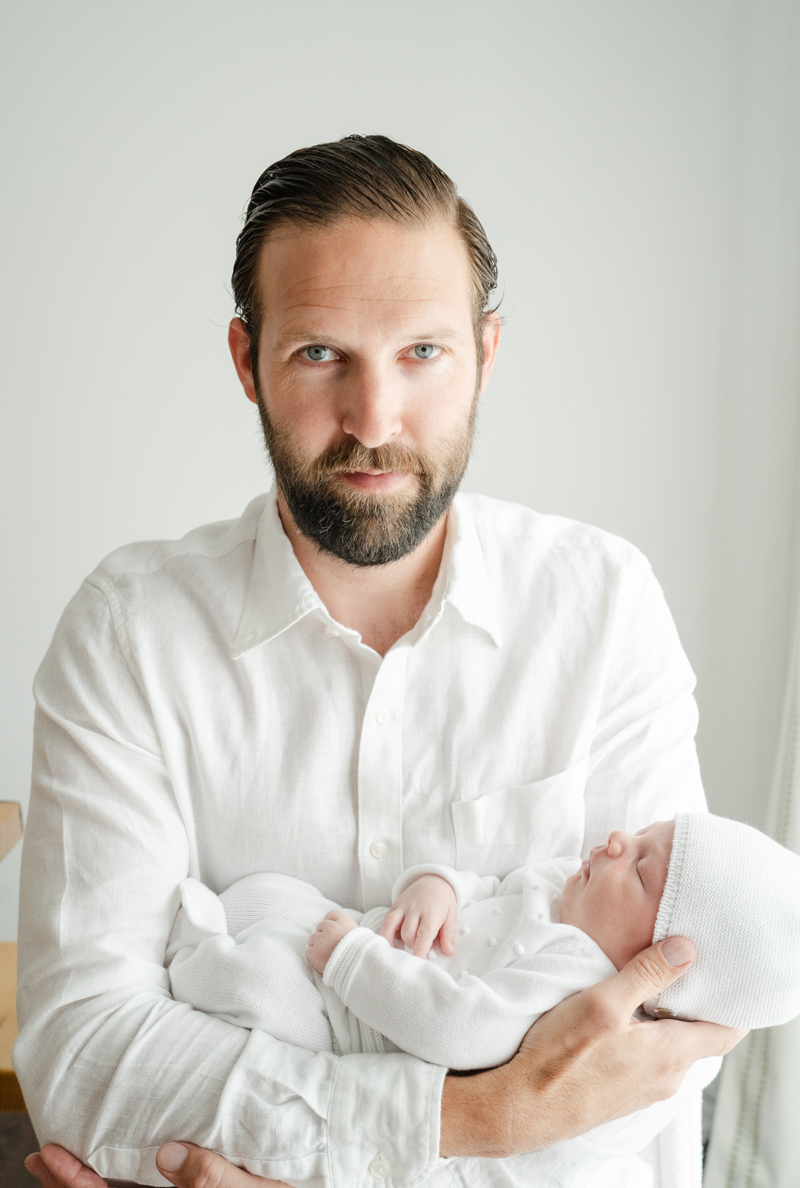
(381, 602)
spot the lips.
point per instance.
(374, 480)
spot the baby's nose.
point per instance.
(617, 842)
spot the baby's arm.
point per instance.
(425, 908)
(469, 1024)
(326, 936)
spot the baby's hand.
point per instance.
(426, 909)
(325, 938)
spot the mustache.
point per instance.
(352, 455)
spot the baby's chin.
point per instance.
(570, 887)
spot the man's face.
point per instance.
(367, 380)
(614, 897)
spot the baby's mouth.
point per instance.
(587, 867)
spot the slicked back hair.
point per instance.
(370, 177)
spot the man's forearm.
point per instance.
(113, 1078)
(581, 1064)
(475, 1115)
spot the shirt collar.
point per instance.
(468, 589)
(279, 593)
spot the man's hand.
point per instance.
(426, 909)
(583, 1063)
(326, 936)
(183, 1164)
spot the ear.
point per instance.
(492, 327)
(239, 343)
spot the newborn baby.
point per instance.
(507, 951)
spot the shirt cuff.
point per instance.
(445, 872)
(467, 886)
(384, 1121)
(346, 957)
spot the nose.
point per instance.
(618, 843)
(372, 406)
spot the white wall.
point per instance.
(635, 165)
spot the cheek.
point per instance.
(441, 411)
(647, 923)
(604, 905)
(306, 407)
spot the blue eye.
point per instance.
(426, 350)
(319, 354)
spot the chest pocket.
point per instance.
(503, 830)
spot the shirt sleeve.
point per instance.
(476, 1022)
(110, 1065)
(643, 763)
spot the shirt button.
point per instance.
(382, 717)
(377, 850)
(331, 632)
(380, 1167)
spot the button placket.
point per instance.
(380, 787)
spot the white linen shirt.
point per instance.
(200, 713)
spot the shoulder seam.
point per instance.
(212, 555)
(106, 588)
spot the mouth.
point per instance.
(374, 480)
(586, 867)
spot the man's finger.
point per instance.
(188, 1166)
(54, 1167)
(651, 971)
(37, 1168)
(702, 1039)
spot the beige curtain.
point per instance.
(755, 1140)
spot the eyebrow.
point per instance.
(291, 338)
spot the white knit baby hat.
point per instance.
(735, 893)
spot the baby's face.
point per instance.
(614, 897)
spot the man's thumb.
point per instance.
(190, 1166)
(652, 970)
(184, 1164)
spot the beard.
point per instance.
(361, 527)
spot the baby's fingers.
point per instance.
(427, 931)
(410, 930)
(447, 935)
(392, 923)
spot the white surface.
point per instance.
(636, 169)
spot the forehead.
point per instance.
(364, 273)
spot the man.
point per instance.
(361, 674)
